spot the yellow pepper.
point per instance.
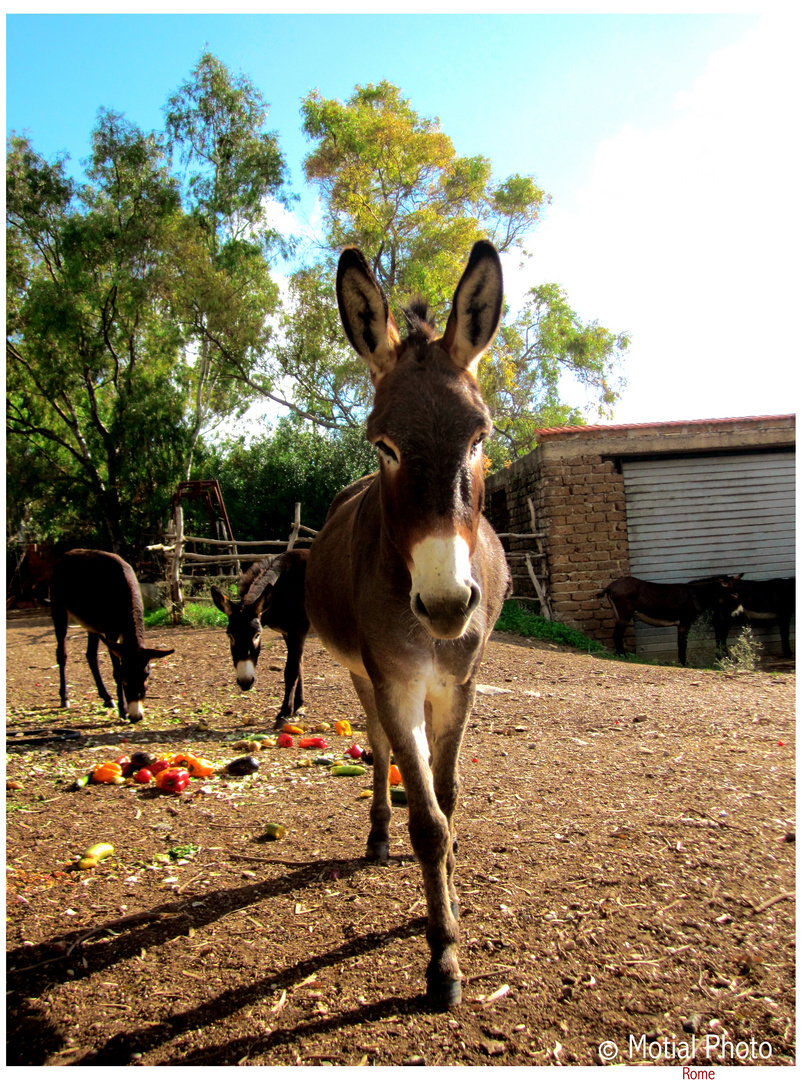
(107, 773)
(343, 727)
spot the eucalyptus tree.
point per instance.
(392, 184)
(94, 395)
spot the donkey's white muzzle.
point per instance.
(246, 673)
(444, 594)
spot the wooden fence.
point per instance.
(232, 554)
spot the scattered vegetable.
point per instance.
(195, 766)
(172, 780)
(275, 832)
(159, 766)
(342, 727)
(125, 764)
(354, 751)
(395, 775)
(398, 796)
(284, 739)
(313, 741)
(242, 766)
(109, 772)
(141, 759)
(143, 776)
(293, 729)
(348, 770)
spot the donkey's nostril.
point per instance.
(476, 596)
(420, 607)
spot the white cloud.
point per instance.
(687, 236)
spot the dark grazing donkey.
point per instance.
(271, 593)
(100, 591)
(671, 605)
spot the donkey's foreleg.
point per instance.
(402, 714)
(92, 642)
(448, 718)
(378, 849)
(293, 678)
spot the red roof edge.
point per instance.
(580, 429)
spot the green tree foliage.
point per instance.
(91, 357)
(393, 185)
(224, 293)
(546, 341)
(262, 480)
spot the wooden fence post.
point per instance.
(175, 569)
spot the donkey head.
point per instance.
(133, 672)
(244, 633)
(428, 423)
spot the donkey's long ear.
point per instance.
(363, 310)
(476, 311)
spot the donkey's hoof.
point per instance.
(443, 993)
(378, 851)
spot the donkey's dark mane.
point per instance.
(417, 316)
(262, 574)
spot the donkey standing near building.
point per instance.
(672, 605)
(271, 593)
(407, 578)
(100, 591)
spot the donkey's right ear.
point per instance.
(365, 315)
(221, 601)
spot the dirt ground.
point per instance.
(625, 870)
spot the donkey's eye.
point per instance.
(477, 443)
(386, 450)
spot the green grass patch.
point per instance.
(203, 615)
(517, 618)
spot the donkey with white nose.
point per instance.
(407, 578)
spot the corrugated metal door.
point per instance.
(691, 517)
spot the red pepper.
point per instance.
(174, 780)
(159, 766)
(313, 740)
(354, 751)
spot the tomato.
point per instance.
(170, 779)
(143, 776)
(284, 739)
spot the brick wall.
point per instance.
(579, 505)
(573, 478)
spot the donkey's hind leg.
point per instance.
(92, 642)
(378, 849)
(60, 624)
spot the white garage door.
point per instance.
(692, 517)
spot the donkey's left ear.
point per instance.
(476, 311)
(365, 315)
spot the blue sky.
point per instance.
(666, 143)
